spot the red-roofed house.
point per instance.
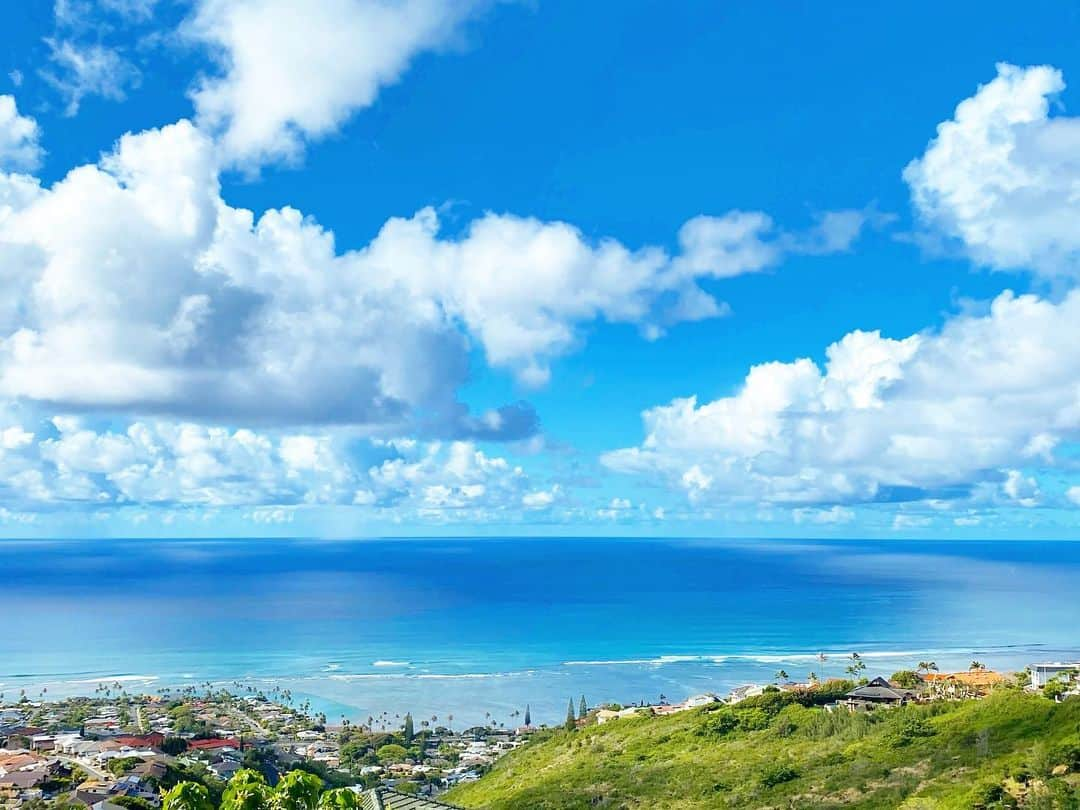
(151, 740)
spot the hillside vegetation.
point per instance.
(1010, 749)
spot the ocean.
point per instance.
(480, 628)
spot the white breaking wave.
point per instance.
(663, 659)
(107, 679)
(432, 676)
(390, 663)
(764, 658)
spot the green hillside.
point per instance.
(1004, 751)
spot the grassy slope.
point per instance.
(943, 755)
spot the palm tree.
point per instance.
(781, 675)
(977, 665)
(812, 678)
(856, 666)
(822, 658)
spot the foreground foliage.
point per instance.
(248, 790)
(1009, 750)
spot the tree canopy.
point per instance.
(248, 790)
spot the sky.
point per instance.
(348, 268)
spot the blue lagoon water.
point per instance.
(471, 627)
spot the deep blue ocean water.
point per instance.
(469, 627)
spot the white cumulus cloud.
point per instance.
(294, 71)
(885, 419)
(20, 147)
(69, 462)
(1003, 175)
(133, 286)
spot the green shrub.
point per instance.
(753, 719)
(391, 753)
(991, 796)
(906, 678)
(776, 774)
(908, 729)
(719, 723)
(121, 765)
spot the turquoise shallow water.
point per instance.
(471, 627)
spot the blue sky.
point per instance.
(458, 268)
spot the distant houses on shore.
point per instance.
(917, 686)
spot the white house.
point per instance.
(1042, 674)
(741, 693)
(604, 715)
(695, 701)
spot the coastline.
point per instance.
(477, 697)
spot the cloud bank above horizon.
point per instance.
(162, 348)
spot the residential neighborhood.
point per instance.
(117, 751)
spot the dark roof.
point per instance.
(383, 798)
(154, 768)
(880, 693)
(23, 731)
(24, 779)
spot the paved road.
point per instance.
(93, 770)
(254, 724)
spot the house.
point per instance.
(12, 784)
(1042, 674)
(741, 693)
(214, 745)
(973, 683)
(225, 768)
(878, 692)
(154, 769)
(693, 702)
(604, 715)
(92, 791)
(383, 798)
(17, 762)
(132, 785)
(19, 736)
(151, 740)
(43, 742)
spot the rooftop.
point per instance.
(386, 799)
(975, 677)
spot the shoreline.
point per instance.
(477, 696)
